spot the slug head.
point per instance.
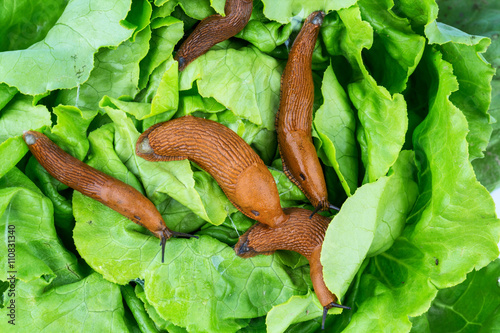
(256, 195)
(302, 166)
(244, 248)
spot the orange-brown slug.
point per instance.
(301, 234)
(99, 186)
(214, 29)
(238, 170)
(294, 117)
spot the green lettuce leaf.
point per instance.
(446, 211)
(350, 236)
(115, 73)
(283, 11)
(368, 223)
(246, 81)
(138, 17)
(223, 283)
(420, 13)
(161, 98)
(396, 202)
(90, 304)
(25, 22)
(6, 94)
(296, 309)
(264, 34)
(64, 58)
(436, 205)
(195, 9)
(487, 169)
(20, 115)
(335, 124)
(136, 306)
(70, 132)
(12, 151)
(473, 74)
(411, 94)
(383, 117)
(256, 285)
(166, 32)
(395, 45)
(159, 321)
(473, 305)
(40, 258)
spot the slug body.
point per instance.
(214, 29)
(99, 186)
(294, 118)
(238, 170)
(301, 234)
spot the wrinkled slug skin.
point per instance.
(294, 118)
(214, 29)
(238, 170)
(93, 183)
(299, 234)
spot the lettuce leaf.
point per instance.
(91, 303)
(64, 58)
(404, 102)
(115, 73)
(472, 305)
(253, 79)
(473, 75)
(25, 22)
(335, 124)
(381, 139)
(283, 11)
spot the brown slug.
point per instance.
(238, 170)
(301, 234)
(294, 117)
(214, 29)
(97, 185)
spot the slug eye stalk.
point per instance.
(321, 205)
(166, 235)
(328, 307)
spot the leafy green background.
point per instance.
(404, 122)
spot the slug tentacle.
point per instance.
(316, 209)
(299, 234)
(214, 29)
(239, 171)
(294, 117)
(321, 206)
(328, 307)
(97, 185)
